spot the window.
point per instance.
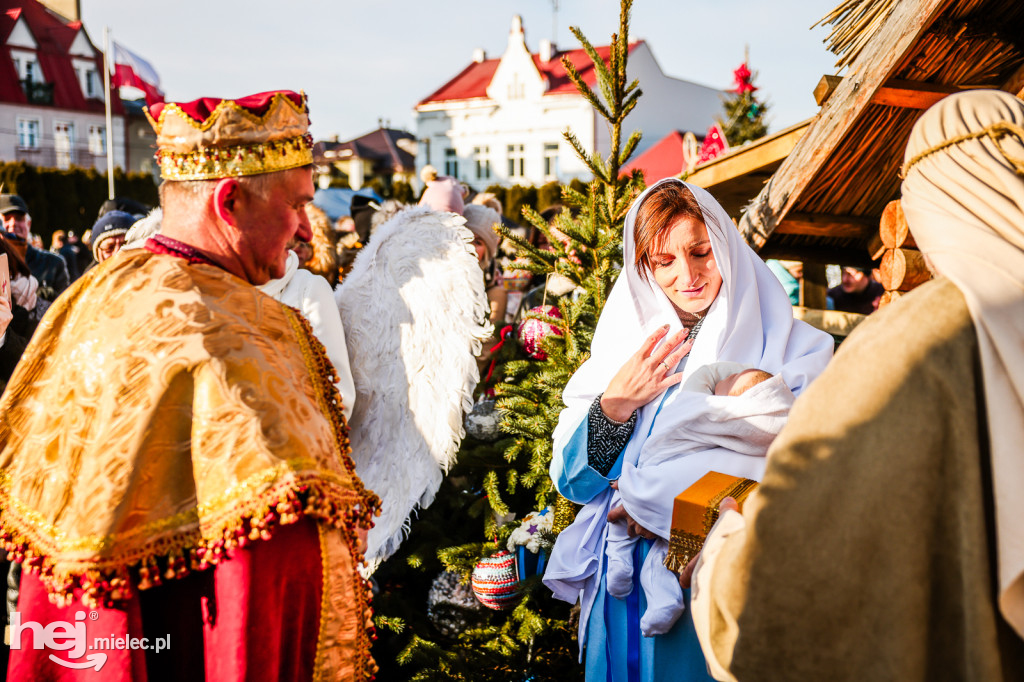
(516, 161)
(28, 133)
(33, 73)
(97, 140)
(550, 159)
(90, 81)
(451, 163)
(516, 90)
(482, 159)
(64, 143)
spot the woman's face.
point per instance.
(481, 252)
(684, 266)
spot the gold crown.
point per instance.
(233, 139)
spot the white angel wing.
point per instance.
(415, 313)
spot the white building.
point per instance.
(52, 109)
(501, 120)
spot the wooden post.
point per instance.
(814, 286)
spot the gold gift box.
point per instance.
(696, 509)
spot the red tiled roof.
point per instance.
(663, 160)
(472, 82)
(53, 40)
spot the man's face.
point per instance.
(268, 223)
(854, 281)
(108, 247)
(17, 223)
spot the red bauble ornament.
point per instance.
(531, 331)
(496, 581)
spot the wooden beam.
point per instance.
(823, 225)
(835, 322)
(895, 92)
(911, 94)
(882, 54)
(835, 255)
(825, 87)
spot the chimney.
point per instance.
(479, 56)
(517, 24)
(547, 50)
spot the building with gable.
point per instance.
(52, 110)
(500, 121)
(385, 154)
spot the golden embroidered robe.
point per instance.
(164, 415)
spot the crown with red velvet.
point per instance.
(219, 138)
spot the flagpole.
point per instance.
(110, 118)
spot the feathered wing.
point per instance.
(415, 313)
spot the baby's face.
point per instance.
(724, 386)
(740, 382)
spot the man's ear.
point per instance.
(226, 196)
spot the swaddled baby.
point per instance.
(719, 379)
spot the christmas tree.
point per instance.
(744, 118)
(534, 636)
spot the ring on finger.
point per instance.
(665, 365)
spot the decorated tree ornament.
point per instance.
(484, 422)
(565, 514)
(495, 581)
(743, 77)
(714, 145)
(532, 330)
(452, 606)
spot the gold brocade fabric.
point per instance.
(163, 414)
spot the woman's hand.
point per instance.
(686, 577)
(5, 314)
(646, 374)
(632, 527)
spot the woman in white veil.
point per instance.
(691, 293)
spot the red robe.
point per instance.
(254, 618)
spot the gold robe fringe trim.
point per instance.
(332, 627)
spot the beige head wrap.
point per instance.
(964, 203)
(481, 220)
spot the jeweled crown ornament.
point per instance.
(210, 138)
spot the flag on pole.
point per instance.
(131, 69)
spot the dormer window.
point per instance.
(89, 79)
(28, 68)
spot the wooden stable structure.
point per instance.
(831, 199)
(826, 191)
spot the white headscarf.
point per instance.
(750, 322)
(965, 206)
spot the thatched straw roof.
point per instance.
(824, 202)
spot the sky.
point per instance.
(360, 62)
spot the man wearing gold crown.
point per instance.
(175, 464)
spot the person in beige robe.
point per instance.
(886, 541)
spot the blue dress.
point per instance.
(616, 651)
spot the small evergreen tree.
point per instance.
(744, 118)
(535, 640)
